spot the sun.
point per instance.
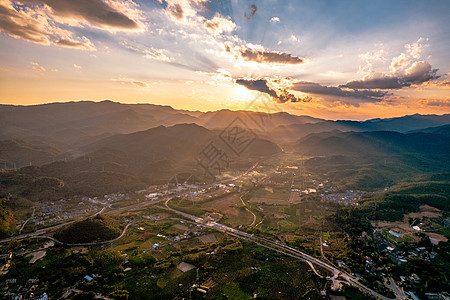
(243, 95)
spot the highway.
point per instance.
(44, 230)
(141, 205)
(344, 277)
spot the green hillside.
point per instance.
(98, 228)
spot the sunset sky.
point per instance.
(330, 59)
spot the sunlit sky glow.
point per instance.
(330, 59)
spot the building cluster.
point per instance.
(69, 209)
(11, 289)
(347, 198)
(396, 256)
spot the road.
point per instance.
(345, 277)
(84, 244)
(399, 293)
(246, 208)
(44, 230)
(141, 205)
(280, 248)
(25, 223)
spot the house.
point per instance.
(396, 234)
(88, 278)
(184, 267)
(413, 295)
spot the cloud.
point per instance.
(219, 24)
(315, 88)
(77, 66)
(37, 67)
(415, 49)
(182, 9)
(294, 38)
(274, 20)
(418, 73)
(256, 53)
(252, 13)
(139, 83)
(96, 13)
(436, 102)
(85, 43)
(280, 96)
(35, 25)
(131, 82)
(286, 90)
(40, 21)
(442, 82)
(177, 11)
(151, 53)
(377, 55)
(376, 81)
(404, 70)
(399, 63)
(220, 77)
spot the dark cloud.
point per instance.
(257, 85)
(438, 103)
(262, 56)
(261, 86)
(315, 88)
(253, 10)
(95, 12)
(177, 11)
(419, 72)
(284, 95)
(377, 83)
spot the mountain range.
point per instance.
(151, 142)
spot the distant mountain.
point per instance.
(407, 123)
(254, 120)
(18, 153)
(170, 142)
(88, 118)
(414, 123)
(293, 132)
(74, 124)
(445, 130)
(157, 143)
(161, 152)
(376, 142)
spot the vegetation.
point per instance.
(406, 198)
(95, 229)
(6, 218)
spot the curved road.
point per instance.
(27, 220)
(246, 208)
(84, 244)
